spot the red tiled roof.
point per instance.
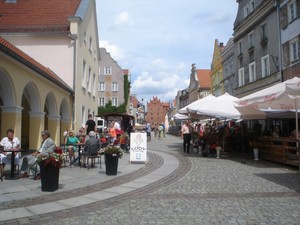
(204, 78)
(37, 15)
(25, 59)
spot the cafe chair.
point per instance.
(93, 158)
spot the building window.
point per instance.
(251, 40)
(101, 101)
(241, 77)
(252, 72)
(246, 11)
(114, 101)
(84, 38)
(101, 86)
(114, 86)
(91, 44)
(107, 70)
(263, 30)
(265, 66)
(252, 5)
(94, 85)
(231, 68)
(83, 74)
(240, 47)
(88, 80)
(292, 10)
(294, 50)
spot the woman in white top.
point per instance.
(8, 142)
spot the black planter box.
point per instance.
(111, 164)
(49, 177)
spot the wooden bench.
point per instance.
(281, 150)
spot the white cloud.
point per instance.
(159, 46)
(115, 51)
(122, 18)
(164, 85)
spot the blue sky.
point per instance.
(159, 40)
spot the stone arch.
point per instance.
(7, 92)
(7, 100)
(52, 117)
(51, 105)
(31, 104)
(65, 114)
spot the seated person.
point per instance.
(294, 134)
(8, 142)
(91, 147)
(276, 132)
(71, 143)
(29, 162)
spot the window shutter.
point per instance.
(283, 17)
(286, 53)
(298, 8)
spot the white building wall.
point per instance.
(55, 52)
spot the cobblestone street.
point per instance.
(198, 190)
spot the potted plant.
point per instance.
(254, 144)
(112, 154)
(50, 163)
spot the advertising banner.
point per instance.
(138, 147)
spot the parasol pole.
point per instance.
(296, 110)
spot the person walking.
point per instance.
(186, 134)
(112, 133)
(148, 131)
(90, 125)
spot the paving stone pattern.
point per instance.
(201, 190)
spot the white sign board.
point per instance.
(138, 147)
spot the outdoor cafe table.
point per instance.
(79, 154)
(12, 169)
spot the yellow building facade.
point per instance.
(32, 98)
(216, 74)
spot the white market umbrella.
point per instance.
(223, 107)
(167, 125)
(192, 107)
(281, 96)
(181, 116)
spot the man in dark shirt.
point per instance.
(90, 125)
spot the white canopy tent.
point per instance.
(192, 107)
(223, 107)
(179, 116)
(281, 96)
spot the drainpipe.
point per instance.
(74, 38)
(279, 40)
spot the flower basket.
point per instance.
(49, 177)
(255, 145)
(112, 155)
(111, 164)
(50, 163)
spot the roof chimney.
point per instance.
(221, 44)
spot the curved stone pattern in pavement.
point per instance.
(192, 190)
